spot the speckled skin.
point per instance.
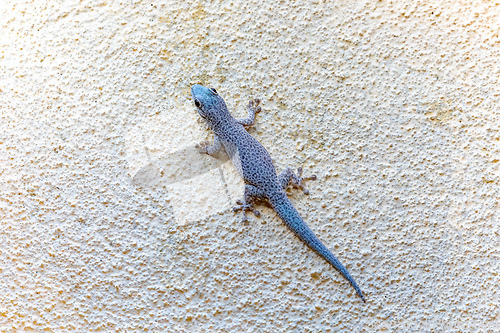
(254, 164)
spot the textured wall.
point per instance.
(111, 221)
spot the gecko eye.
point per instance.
(213, 89)
(197, 103)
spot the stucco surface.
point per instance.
(111, 221)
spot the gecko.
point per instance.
(254, 164)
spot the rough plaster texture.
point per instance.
(111, 221)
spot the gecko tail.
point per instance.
(289, 215)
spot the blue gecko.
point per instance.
(254, 164)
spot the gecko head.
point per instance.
(207, 101)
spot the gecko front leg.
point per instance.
(252, 109)
(251, 193)
(210, 149)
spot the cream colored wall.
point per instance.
(111, 221)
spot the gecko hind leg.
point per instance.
(288, 177)
(251, 193)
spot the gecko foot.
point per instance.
(254, 105)
(244, 206)
(202, 147)
(297, 181)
